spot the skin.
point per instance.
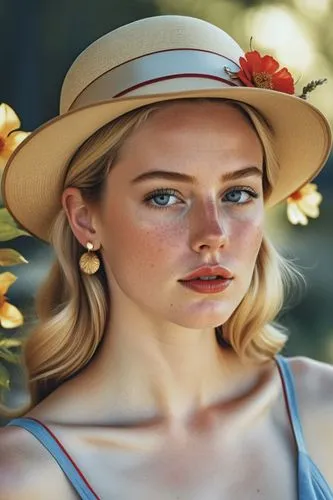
(156, 246)
(161, 401)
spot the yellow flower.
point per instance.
(10, 137)
(304, 203)
(10, 316)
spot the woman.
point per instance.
(154, 370)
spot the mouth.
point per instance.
(206, 278)
(207, 273)
(212, 284)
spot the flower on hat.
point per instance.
(10, 316)
(304, 203)
(263, 72)
(10, 136)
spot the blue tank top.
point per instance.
(311, 483)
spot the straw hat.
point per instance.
(151, 60)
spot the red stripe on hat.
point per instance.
(172, 77)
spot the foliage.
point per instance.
(10, 317)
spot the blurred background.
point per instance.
(39, 40)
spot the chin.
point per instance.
(207, 313)
(203, 320)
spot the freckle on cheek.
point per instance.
(165, 237)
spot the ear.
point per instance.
(80, 217)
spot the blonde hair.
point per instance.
(73, 308)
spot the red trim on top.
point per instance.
(172, 77)
(67, 455)
(149, 54)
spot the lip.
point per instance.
(213, 286)
(223, 272)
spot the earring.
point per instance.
(89, 262)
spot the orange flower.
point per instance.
(304, 203)
(10, 137)
(10, 316)
(263, 72)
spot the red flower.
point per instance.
(258, 71)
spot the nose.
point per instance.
(208, 233)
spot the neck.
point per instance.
(163, 371)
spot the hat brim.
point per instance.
(33, 179)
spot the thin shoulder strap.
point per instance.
(46, 437)
(288, 385)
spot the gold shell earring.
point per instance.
(89, 261)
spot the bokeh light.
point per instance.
(277, 29)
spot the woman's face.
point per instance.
(203, 207)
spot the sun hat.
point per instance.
(152, 60)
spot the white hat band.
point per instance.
(183, 65)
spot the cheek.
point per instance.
(140, 245)
(245, 239)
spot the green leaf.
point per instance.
(8, 232)
(7, 343)
(10, 356)
(6, 217)
(10, 257)
(8, 227)
(4, 377)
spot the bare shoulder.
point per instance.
(314, 381)
(314, 389)
(27, 470)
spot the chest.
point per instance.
(260, 463)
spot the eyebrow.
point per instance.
(177, 176)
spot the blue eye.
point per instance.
(161, 197)
(240, 196)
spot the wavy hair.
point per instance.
(72, 308)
